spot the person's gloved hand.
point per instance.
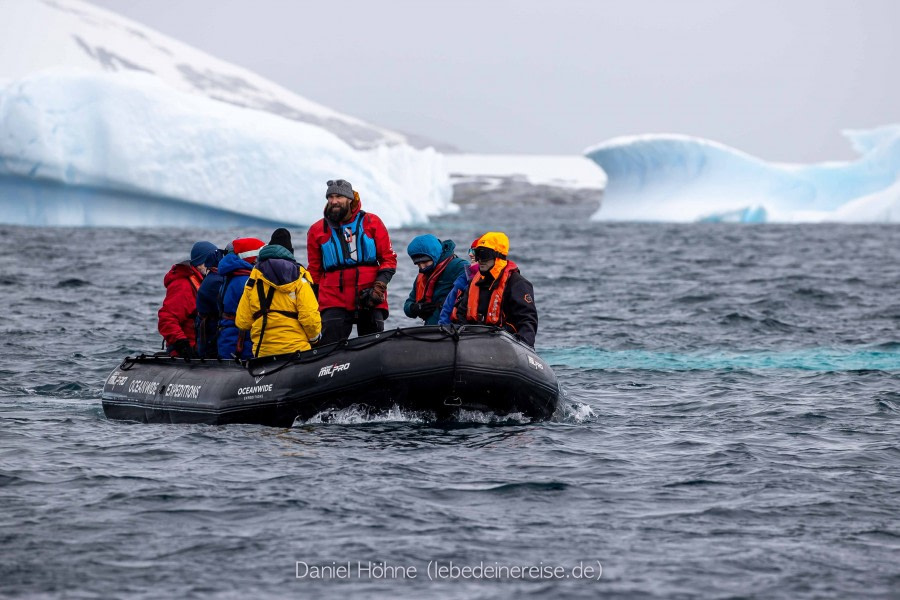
(379, 290)
(423, 309)
(182, 348)
(373, 296)
(365, 298)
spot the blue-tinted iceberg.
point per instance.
(86, 148)
(751, 214)
(680, 178)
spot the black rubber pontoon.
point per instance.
(435, 370)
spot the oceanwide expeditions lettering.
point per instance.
(139, 386)
(254, 389)
(175, 390)
(179, 390)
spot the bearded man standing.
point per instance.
(351, 261)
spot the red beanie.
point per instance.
(247, 248)
(475, 243)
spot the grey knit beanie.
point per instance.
(340, 187)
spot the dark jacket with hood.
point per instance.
(208, 310)
(519, 314)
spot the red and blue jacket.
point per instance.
(346, 258)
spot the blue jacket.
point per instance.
(444, 284)
(461, 283)
(229, 297)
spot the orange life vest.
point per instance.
(195, 278)
(494, 314)
(425, 283)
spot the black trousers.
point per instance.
(337, 323)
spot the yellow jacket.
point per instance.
(284, 333)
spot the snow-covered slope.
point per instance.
(38, 34)
(105, 122)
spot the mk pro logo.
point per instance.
(330, 370)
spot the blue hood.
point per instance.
(426, 244)
(448, 247)
(432, 247)
(231, 263)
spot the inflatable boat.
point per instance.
(435, 371)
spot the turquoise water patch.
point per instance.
(585, 357)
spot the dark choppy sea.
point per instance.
(732, 429)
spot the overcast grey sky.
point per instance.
(775, 78)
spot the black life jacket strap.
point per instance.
(265, 302)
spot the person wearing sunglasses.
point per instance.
(461, 284)
(438, 269)
(498, 294)
(351, 261)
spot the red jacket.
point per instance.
(340, 288)
(176, 317)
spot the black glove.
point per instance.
(183, 349)
(365, 298)
(315, 289)
(423, 309)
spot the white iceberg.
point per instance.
(86, 148)
(681, 178)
